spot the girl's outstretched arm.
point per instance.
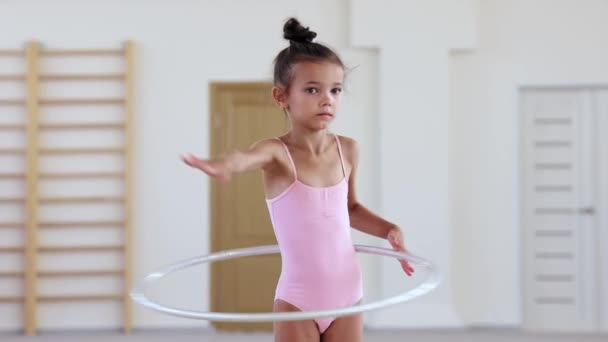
(261, 154)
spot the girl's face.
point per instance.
(314, 95)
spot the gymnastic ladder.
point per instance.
(33, 200)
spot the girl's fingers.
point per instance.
(188, 159)
(395, 243)
(409, 270)
(193, 161)
(405, 265)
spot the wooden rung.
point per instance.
(12, 126)
(84, 150)
(12, 224)
(78, 224)
(86, 199)
(6, 52)
(12, 151)
(81, 52)
(76, 298)
(11, 249)
(7, 299)
(12, 102)
(51, 274)
(14, 77)
(82, 101)
(12, 274)
(54, 249)
(12, 175)
(13, 200)
(82, 126)
(81, 77)
(51, 175)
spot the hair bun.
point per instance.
(295, 32)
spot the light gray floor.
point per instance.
(486, 335)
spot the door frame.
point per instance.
(602, 210)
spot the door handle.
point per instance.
(586, 211)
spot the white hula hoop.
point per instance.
(138, 291)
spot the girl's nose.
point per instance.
(327, 100)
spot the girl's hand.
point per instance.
(395, 238)
(214, 168)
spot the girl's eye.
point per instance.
(311, 90)
(336, 90)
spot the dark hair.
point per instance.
(301, 49)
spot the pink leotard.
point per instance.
(319, 266)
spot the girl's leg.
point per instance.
(293, 331)
(347, 328)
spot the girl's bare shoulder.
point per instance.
(350, 147)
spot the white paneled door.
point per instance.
(561, 202)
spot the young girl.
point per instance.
(309, 182)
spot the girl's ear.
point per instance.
(280, 97)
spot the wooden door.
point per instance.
(242, 113)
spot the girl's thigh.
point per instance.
(294, 331)
(346, 328)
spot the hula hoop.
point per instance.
(138, 291)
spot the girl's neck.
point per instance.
(314, 142)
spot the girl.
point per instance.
(309, 182)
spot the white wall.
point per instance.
(414, 38)
(521, 43)
(439, 132)
(180, 48)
